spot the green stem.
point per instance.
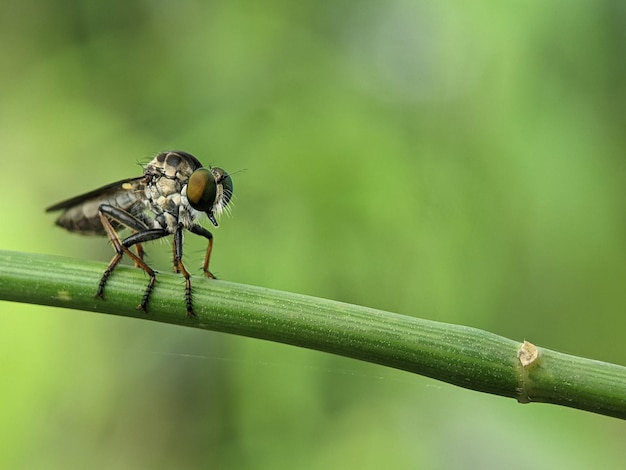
(459, 355)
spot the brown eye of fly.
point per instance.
(201, 190)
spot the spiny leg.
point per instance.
(180, 267)
(142, 223)
(140, 253)
(176, 268)
(107, 272)
(207, 258)
(122, 247)
(141, 237)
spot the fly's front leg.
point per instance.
(180, 268)
(200, 230)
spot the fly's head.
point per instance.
(209, 191)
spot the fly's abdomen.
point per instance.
(82, 219)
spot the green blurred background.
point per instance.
(457, 161)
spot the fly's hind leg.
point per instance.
(105, 212)
(108, 213)
(140, 253)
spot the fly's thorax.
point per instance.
(165, 198)
(166, 221)
(173, 165)
(173, 211)
(165, 177)
(168, 172)
(165, 188)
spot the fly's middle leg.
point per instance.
(179, 267)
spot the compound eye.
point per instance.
(201, 190)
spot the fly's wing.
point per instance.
(80, 213)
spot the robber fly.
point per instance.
(171, 196)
